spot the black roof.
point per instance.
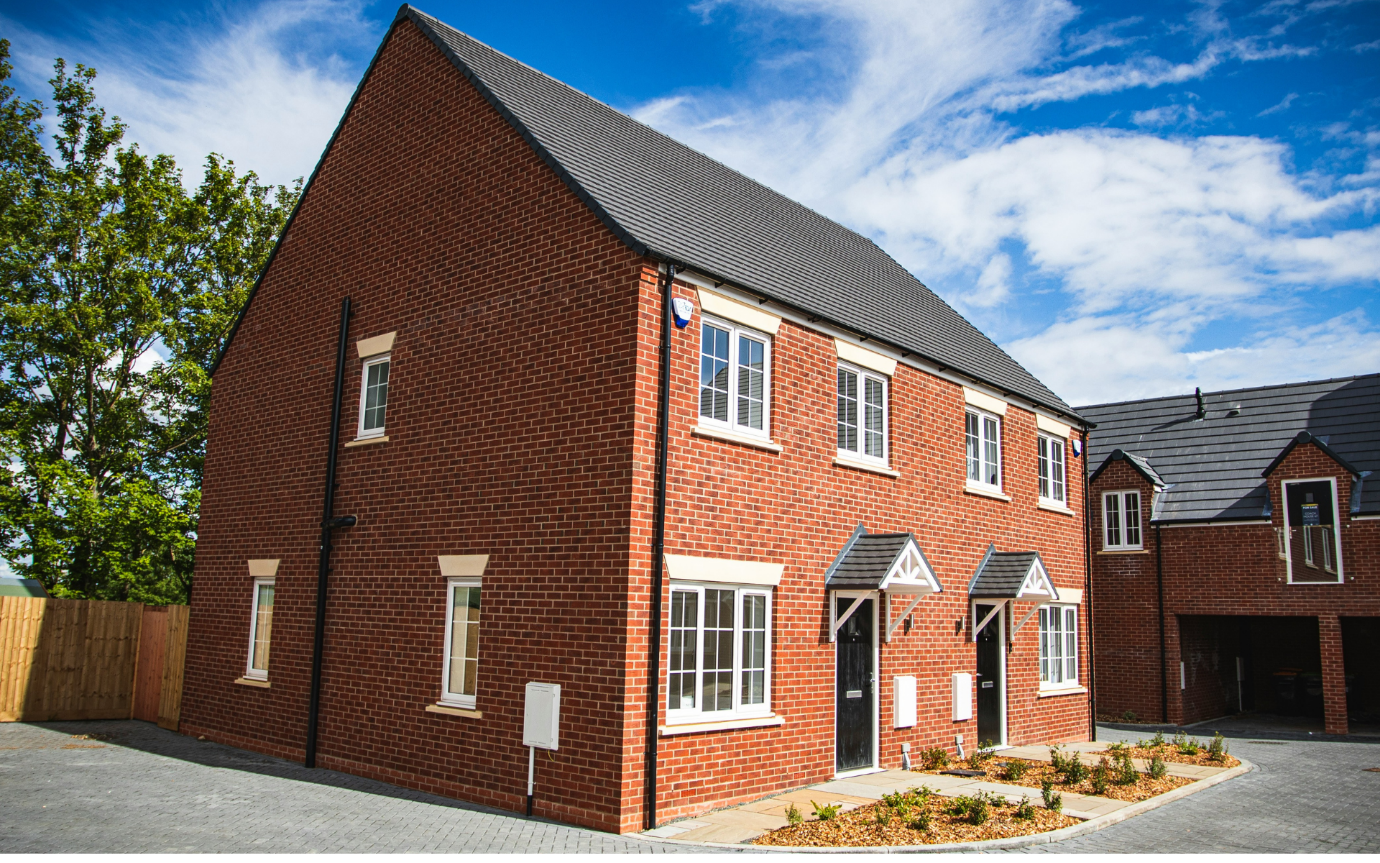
(667, 200)
(1001, 574)
(865, 560)
(1215, 466)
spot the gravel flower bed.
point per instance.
(1180, 750)
(920, 818)
(1035, 774)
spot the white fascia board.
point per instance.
(719, 570)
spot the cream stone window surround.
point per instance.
(982, 401)
(461, 571)
(372, 347)
(729, 309)
(263, 572)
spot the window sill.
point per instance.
(1054, 506)
(723, 725)
(249, 681)
(736, 437)
(986, 491)
(1124, 551)
(859, 464)
(454, 711)
(1067, 690)
(367, 440)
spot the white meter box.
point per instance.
(903, 702)
(541, 718)
(963, 696)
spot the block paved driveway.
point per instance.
(149, 790)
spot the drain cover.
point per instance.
(968, 773)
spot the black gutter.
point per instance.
(1088, 592)
(1164, 657)
(329, 522)
(663, 434)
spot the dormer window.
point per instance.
(1121, 521)
(1311, 548)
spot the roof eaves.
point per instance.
(1306, 437)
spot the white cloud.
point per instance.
(261, 85)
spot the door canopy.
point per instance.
(881, 562)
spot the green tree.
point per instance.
(107, 263)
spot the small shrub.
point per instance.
(978, 760)
(1101, 777)
(1116, 747)
(1157, 768)
(934, 759)
(1054, 801)
(1217, 750)
(974, 809)
(1129, 716)
(1073, 770)
(793, 816)
(825, 813)
(922, 821)
(1125, 770)
(921, 795)
(1157, 742)
(1186, 745)
(1015, 770)
(1024, 810)
(882, 815)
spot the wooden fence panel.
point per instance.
(170, 704)
(21, 622)
(148, 674)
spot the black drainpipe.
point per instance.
(663, 433)
(328, 523)
(1088, 593)
(1164, 658)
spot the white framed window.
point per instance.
(720, 650)
(1121, 520)
(373, 396)
(260, 630)
(982, 432)
(735, 378)
(1312, 547)
(1052, 478)
(460, 672)
(1058, 646)
(862, 414)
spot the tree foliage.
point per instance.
(118, 288)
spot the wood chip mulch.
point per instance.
(859, 828)
(1037, 771)
(1169, 752)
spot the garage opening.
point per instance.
(1360, 650)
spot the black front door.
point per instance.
(853, 711)
(989, 682)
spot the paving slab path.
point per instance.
(149, 790)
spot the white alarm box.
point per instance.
(963, 696)
(903, 701)
(541, 718)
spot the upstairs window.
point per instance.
(1052, 469)
(983, 434)
(735, 378)
(1312, 549)
(260, 629)
(373, 397)
(862, 414)
(1121, 520)
(720, 652)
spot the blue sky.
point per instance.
(1132, 199)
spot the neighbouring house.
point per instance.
(1236, 553)
(873, 517)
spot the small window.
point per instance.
(1121, 520)
(1311, 543)
(1058, 646)
(983, 433)
(720, 652)
(735, 378)
(260, 629)
(461, 672)
(373, 397)
(1052, 469)
(862, 414)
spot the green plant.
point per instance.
(1116, 746)
(1073, 770)
(899, 803)
(1125, 769)
(1157, 768)
(978, 760)
(1129, 716)
(1024, 810)
(1186, 745)
(1054, 801)
(826, 813)
(1015, 770)
(793, 816)
(922, 821)
(975, 808)
(934, 759)
(1157, 742)
(1217, 750)
(1101, 777)
(882, 815)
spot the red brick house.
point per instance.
(1236, 553)
(850, 524)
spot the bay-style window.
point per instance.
(460, 673)
(373, 397)
(862, 414)
(260, 629)
(1052, 478)
(983, 437)
(1121, 520)
(1058, 646)
(720, 652)
(735, 378)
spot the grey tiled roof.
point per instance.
(668, 200)
(865, 561)
(1213, 466)
(1001, 573)
(1137, 462)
